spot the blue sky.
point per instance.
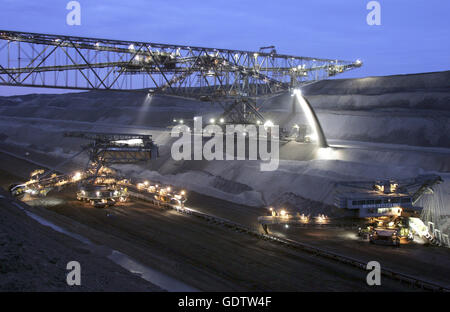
(414, 35)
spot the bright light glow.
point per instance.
(308, 113)
(258, 122)
(169, 189)
(76, 176)
(133, 142)
(283, 213)
(181, 121)
(146, 183)
(326, 153)
(97, 193)
(183, 192)
(212, 120)
(418, 226)
(286, 226)
(321, 218)
(176, 120)
(268, 124)
(222, 120)
(304, 219)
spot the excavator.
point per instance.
(399, 229)
(382, 227)
(99, 184)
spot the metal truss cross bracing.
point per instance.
(56, 61)
(110, 148)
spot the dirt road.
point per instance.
(200, 254)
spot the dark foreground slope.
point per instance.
(33, 257)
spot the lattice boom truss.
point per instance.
(54, 61)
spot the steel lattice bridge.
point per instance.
(56, 61)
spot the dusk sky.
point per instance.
(414, 36)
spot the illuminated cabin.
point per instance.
(374, 204)
(385, 199)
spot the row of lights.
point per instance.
(146, 184)
(320, 218)
(255, 55)
(267, 124)
(211, 121)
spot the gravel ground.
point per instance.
(33, 257)
(203, 255)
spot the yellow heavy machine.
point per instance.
(385, 210)
(99, 184)
(390, 230)
(163, 193)
(284, 217)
